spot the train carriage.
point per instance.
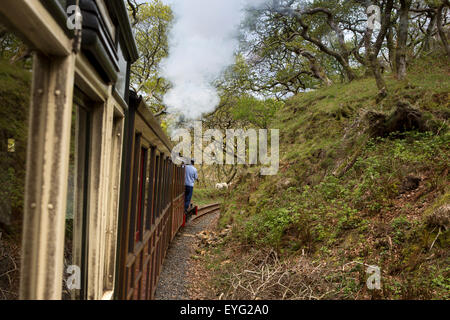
(153, 198)
(103, 199)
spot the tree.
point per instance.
(373, 48)
(255, 112)
(402, 39)
(13, 49)
(151, 23)
(440, 22)
(284, 61)
(244, 112)
(318, 20)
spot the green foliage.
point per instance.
(442, 282)
(10, 45)
(361, 213)
(399, 226)
(380, 171)
(268, 227)
(202, 197)
(151, 28)
(257, 112)
(14, 99)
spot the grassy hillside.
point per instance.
(361, 183)
(15, 85)
(202, 196)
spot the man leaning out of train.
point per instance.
(190, 177)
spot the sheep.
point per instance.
(220, 186)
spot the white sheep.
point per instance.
(220, 186)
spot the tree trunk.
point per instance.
(22, 54)
(374, 66)
(402, 39)
(372, 51)
(316, 68)
(441, 31)
(341, 59)
(230, 178)
(376, 70)
(349, 72)
(391, 48)
(320, 74)
(426, 44)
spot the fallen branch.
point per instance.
(439, 233)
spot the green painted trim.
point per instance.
(97, 50)
(59, 13)
(120, 11)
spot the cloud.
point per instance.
(202, 44)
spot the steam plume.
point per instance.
(202, 44)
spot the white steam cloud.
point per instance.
(202, 44)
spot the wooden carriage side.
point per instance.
(151, 204)
(84, 159)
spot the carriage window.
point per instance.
(166, 183)
(141, 203)
(168, 174)
(75, 248)
(164, 194)
(103, 8)
(160, 185)
(155, 194)
(161, 192)
(113, 204)
(121, 84)
(150, 189)
(15, 87)
(135, 192)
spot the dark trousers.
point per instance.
(188, 196)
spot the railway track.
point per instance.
(205, 210)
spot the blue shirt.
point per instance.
(190, 176)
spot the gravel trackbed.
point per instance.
(174, 281)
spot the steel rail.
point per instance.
(208, 209)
